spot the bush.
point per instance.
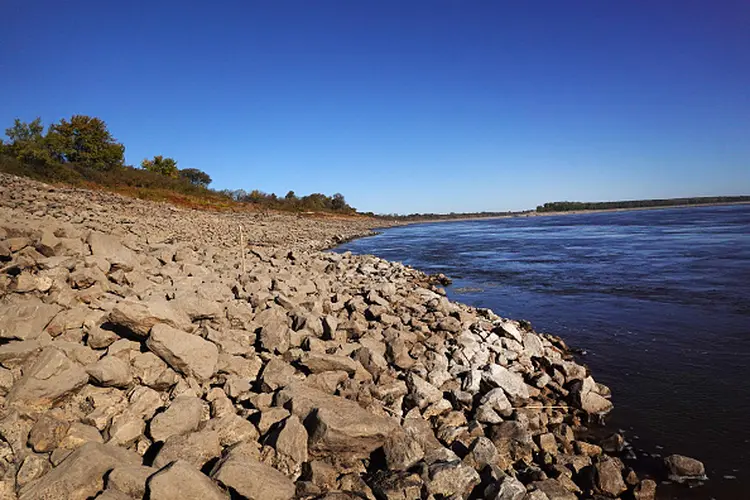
(195, 176)
(161, 165)
(86, 141)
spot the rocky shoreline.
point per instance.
(148, 351)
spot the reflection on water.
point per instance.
(660, 299)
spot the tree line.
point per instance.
(567, 206)
(416, 217)
(81, 150)
(315, 202)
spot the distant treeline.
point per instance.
(315, 202)
(448, 216)
(567, 206)
(82, 152)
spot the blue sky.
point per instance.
(403, 106)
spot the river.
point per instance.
(658, 299)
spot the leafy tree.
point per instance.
(291, 196)
(195, 176)
(23, 132)
(338, 202)
(161, 165)
(86, 141)
(256, 196)
(27, 141)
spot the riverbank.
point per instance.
(567, 212)
(151, 348)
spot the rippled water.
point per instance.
(660, 300)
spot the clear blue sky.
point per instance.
(403, 106)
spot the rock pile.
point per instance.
(138, 360)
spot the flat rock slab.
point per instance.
(130, 479)
(140, 317)
(111, 371)
(252, 479)
(195, 448)
(50, 379)
(512, 383)
(182, 416)
(81, 474)
(336, 424)
(27, 320)
(188, 354)
(319, 362)
(110, 248)
(181, 481)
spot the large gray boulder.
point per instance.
(451, 478)
(196, 448)
(139, 317)
(252, 479)
(182, 416)
(335, 424)
(180, 480)
(290, 444)
(27, 320)
(683, 468)
(609, 477)
(111, 371)
(130, 479)
(111, 249)
(316, 362)
(188, 354)
(81, 474)
(512, 383)
(51, 378)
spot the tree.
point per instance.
(256, 196)
(291, 196)
(86, 141)
(27, 141)
(161, 165)
(195, 176)
(338, 202)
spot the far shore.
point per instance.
(567, 212)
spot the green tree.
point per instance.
(338, 202)
(161, 165)
(195, 176)
(256, 196)
(86, 141)
(27, 141)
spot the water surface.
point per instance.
(659, 299)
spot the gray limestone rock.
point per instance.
(51, 378)
(179, 480)
(139, 317)
(183, 415)
(110, 371)
(252, 479)
(188, 354)
(80, 475)
(25, 320)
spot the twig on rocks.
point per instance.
(242, 250)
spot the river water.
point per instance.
(659, 300)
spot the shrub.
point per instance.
(86, 141)
(161, 165)
(195, 176)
